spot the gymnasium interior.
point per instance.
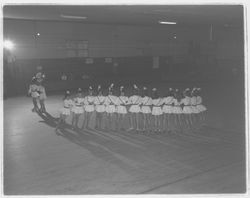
(158, 46)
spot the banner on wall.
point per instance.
(83, 53)
(83, 44)
(77, 44)
(71, 53)
(108, 60)
(89, 61)
(156, 61)
(77, 48)
(70, 44)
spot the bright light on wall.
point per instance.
(9, 45)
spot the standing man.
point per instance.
(33, 92)
(40, 76)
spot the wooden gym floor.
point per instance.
(37, 161)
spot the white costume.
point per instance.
(187, 109)
(199, 104)
(194, 103)
(157, 110)
(146, 102)
(134, 101)
(43, 95)
(177, 107)
(67, 105)
(99, 104)
(110, 103)
(33, 91)
(89, 103)
(78, 105)
(122, 102)
(168, 107)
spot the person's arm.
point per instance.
(162, 101)
(140, 101)
(29, 90)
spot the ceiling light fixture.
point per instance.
(73, 17)
(167, 22)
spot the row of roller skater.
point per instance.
(145, 109)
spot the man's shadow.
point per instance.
(51, 121)
(100, 145)
(48, 119)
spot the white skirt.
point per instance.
(195, 109)
(89, 108)
(110, 109)
(167, 109)
(121, 109)
(64, 111)
(145, 109)
(201, 107)
(34, 94)
(187, 109)
(177, 110)
(156, 110)
(43, 96)
(77, 109)
(100, 108)
(135, 109)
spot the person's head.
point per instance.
(135, 90)
(155, 93)
(90, 90)
(189, 92)
(198, 91)
(145, 92)
(176, 93)
(33, 80)
(79, 92)
(67, 94)
(111, 89)
(186, 92)
(122, 93)
(99, 90)
(170, 92)
(193, 92)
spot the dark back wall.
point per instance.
(129, 70)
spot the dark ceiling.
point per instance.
(222, 15)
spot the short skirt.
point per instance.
(156, 110)
(89, 108)
(121, 109)
(187, 109)
(135, 109)
(201, 107)
(110, 109)
(195, 109)
(100, 108)
(43, 96)
(167, 109)
(77, 109)
(34, 94)
(177, 110)
(64, 111)
(145, 109)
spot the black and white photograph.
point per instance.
(124, 99)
